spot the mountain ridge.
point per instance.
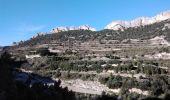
(140, 21)
(142, 33)
(64, 28)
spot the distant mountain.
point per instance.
(143, 28)
(82, 27)
(141, 21)
(146, 32)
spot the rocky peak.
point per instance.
(141, 21)
(82, 27)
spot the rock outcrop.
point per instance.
(141, 21)
(82, 27)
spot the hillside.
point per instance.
(141, 33)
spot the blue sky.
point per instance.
(21, 19)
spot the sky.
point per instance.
(22, 19)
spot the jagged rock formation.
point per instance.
(82, 27)
(141, 21)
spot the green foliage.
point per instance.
(103, 80)
(164, 49)
(114, 82)
(43, 51)
(6, 76)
